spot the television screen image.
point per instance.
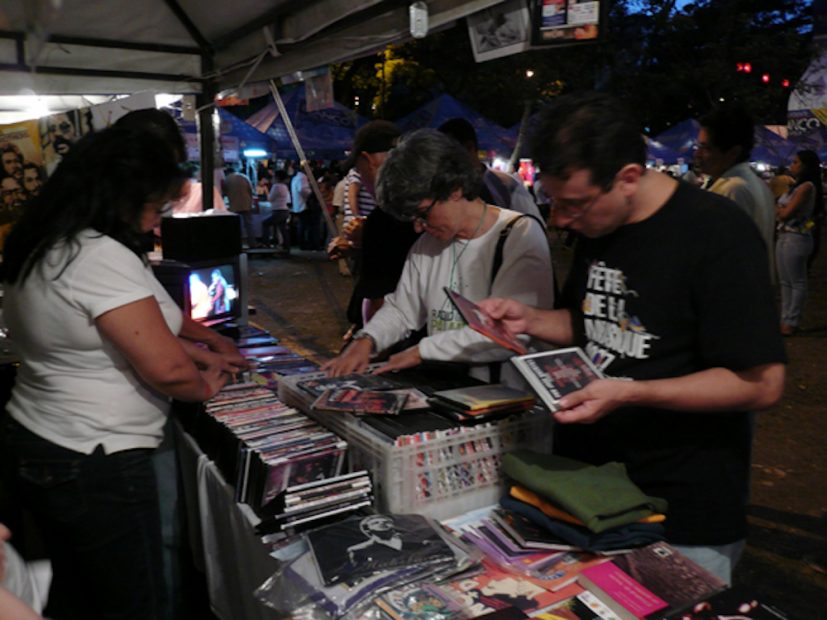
(214, 292)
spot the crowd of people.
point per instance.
(670, 293)
(662, 275)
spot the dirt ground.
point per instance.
(302, 300)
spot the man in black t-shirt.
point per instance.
(663, 290)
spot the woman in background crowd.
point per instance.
(96, 333)
(795, 211)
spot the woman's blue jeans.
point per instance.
(99, 518)
(791, 253)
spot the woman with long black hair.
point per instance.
(795, 211)
(97, 335)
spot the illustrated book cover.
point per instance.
(650, 582)
(494, 589)
(553, 374)
(418, 602)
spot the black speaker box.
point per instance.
(202, 237)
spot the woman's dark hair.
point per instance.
(589, 131)
(425, 164)
(102, 184)
(811, 171)
(158, 122)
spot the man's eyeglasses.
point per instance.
(575, 208)
(420, 217)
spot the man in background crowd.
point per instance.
(498, 188)
(239, 192)
(725, 143)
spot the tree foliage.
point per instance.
(670, 63)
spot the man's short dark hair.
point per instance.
(728, 126)
(374, 137)
(589, 131)
(425, 164)
(461, 130)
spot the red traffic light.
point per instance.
(765, 78)
(747, 67)
(785, 83)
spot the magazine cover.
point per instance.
(553, 374)
(359, 546)
(494, 589)
(485, 325)
(418, 602)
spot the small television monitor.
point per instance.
(212, 292)
(216, 291)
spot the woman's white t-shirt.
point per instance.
(73, 387)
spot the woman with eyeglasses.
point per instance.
(430, 181)
(98, 338)
(795, 211)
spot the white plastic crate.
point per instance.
(442, 477)
(447, 476)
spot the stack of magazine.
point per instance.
(266, 446)
(312, 504)
(481, 403)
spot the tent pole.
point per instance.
(288, 123)
(206, 134)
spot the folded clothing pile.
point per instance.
(596, 508)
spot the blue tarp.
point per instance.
(681, 138)
(490, 136)
(656, 151)
(324, 134)
(772, 148)
(231, 125)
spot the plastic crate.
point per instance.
(449, 475)
(439, 477)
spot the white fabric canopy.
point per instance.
(178, 46)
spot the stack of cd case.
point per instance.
(305, 506)
(266, 446)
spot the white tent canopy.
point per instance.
(192, 46)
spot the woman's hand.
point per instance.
(225, 347)
(355, 358)
(405, 359)
(215, 378)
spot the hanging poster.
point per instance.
(21, 171)
(565, 22)
(59, 132)
(499, 31)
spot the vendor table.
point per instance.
(222, 537)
